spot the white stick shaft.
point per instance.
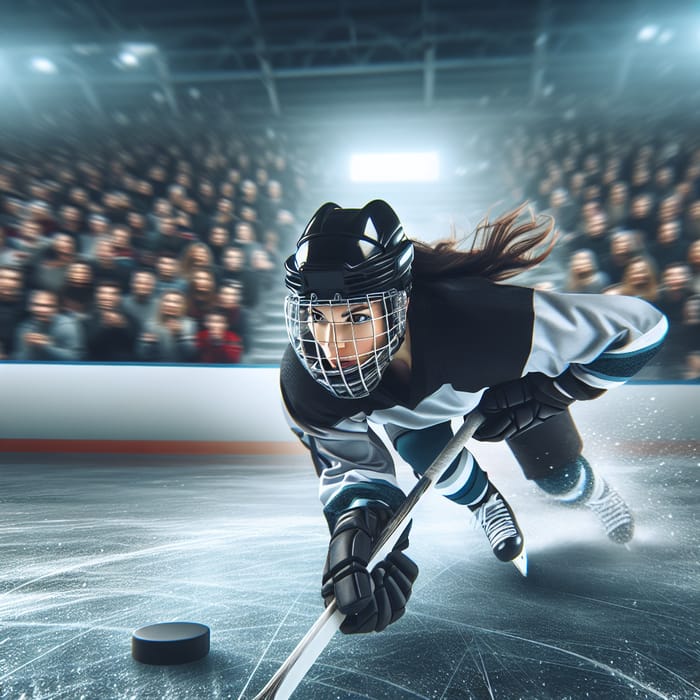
(298, 663)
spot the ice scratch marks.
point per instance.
(456, 670)
(405, 692)
(670, 672)
(57, 647)
(269, 644)
(92, 562)
(568, 652)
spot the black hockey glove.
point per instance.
(512, 407)
(370, 601)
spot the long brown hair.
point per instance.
(499, 249)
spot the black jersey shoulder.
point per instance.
(470, 332)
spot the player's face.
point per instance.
(348, 334)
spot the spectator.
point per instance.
(668, 247)
(12, 214)
(140, 238)
(595, 235)
(196, 255)
(161, 209)
(39, 211)
(641, 179)
(229, 302)
(664, 179)
(50, 270)
(27, 248)
(245, 239)
(12, 308)
(272, 203)
(199, 223)
(207, 198)
(692, 367)
(669, 209)
(692, 221)
(106, 267)
(168, 274)
(693, 259)
(218, 240)
(111, 332)
(142, 303)
(674, 293)
(169, 239)
(617, 204)
(201, 294)
(98, 227)
(77, 294)
(70, 221)
(5, 249)
(224, 214)
(48, 335)
(123, 248)
(234, 270)
(691, 323)
(171, 335)
(639, 279)
(584, 274)
(624, 245)
(216, 344)
(641, 216)
(264, 269)
(562, 209)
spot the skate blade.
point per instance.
(520, 563)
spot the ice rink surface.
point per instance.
(94, 547)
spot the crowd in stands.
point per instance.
(158, 244)
(150, 247)
(627, 203)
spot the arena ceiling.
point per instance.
(281, 57)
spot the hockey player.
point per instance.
(409, 336)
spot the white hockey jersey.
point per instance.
(467, 334)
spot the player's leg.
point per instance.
(464, 482)
(550, 455)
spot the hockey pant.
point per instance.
(548, 453)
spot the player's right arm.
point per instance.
(350, 459)
(359, 493)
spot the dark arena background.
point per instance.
(159, 160)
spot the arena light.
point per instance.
(139, 50)
(43, 65)
(648, 33)
(395, 167)
(128, 59)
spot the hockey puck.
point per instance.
(170, 643)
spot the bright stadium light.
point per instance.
(139, 50)
(128, 59)
(394, 167)
(43, 65)
(648, 33)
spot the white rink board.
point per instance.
(162, 402)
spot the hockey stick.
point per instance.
(293, 670)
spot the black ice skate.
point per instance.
(614, 514)
(498, 521)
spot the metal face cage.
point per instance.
(347, 344)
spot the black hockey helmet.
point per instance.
(347, 257)
(350, 252)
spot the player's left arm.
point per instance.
(593, 342)
(582, 345)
